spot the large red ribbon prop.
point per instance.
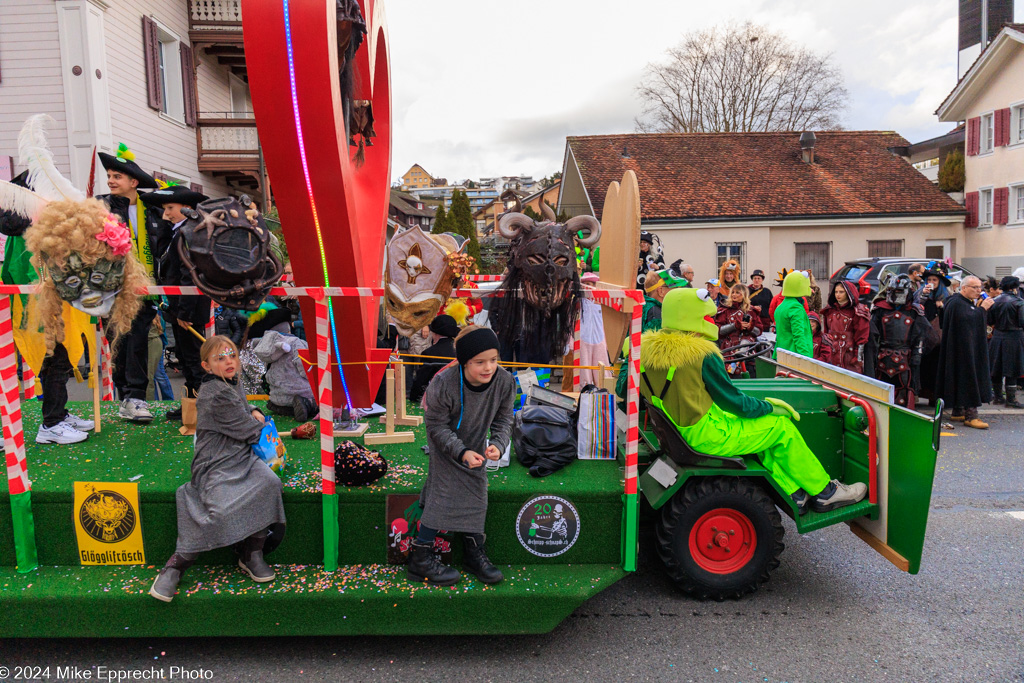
(333, 211)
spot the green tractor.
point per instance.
(718, 519)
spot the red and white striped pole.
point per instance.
(211, 325)
(576, 379)
(632, 520)
(106, 374)
(330, 500)
(14, 435)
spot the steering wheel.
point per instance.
(747, 350)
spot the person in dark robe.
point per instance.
(963, 379)
(896, 339)
(1006, 349)
(932, 295)
(761, 297)
(443, 331)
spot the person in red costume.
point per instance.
(822, 342)
(848, 323)
(737, 322)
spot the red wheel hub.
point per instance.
(722, 541)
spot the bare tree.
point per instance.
(740, 78)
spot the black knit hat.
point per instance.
(1009, 283)
(475, 342)
(444, 325)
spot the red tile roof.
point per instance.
(695, 176)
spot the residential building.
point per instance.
(990, 98)
(165, 77)
(768, 200)
(407, 210)
(478, 196)
(519, 183)
(416, 178)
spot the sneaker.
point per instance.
(135, 410)
(61, 433)
(838, 494)
(79, 423)
(800, 498)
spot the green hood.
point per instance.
(690, 310)
(796, 284)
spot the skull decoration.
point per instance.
(90, 289)
(898, 291)
(545, 253)
(418, 277)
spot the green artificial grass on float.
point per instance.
(110, 602)
(163, 457)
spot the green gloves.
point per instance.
(780, 407)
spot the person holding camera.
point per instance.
(738, 321)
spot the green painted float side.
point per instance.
(111, 602)
(913, 452)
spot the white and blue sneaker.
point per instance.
(135, 410)
(60, 433)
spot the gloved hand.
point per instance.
(780, 407)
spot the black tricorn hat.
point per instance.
(173, 194)
(124, 162)
(939, 274)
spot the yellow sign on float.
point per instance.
(107, 523)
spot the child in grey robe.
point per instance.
(464, 403)
(233, 497)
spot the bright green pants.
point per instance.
(782, 449)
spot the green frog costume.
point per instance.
(683, 374)
(792, 324)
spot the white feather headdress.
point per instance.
(47, 182)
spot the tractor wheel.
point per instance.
(720, 537)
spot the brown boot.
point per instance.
(972, 420)
(958, 415)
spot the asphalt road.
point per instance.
(834, 611)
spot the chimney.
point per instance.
(807, 147)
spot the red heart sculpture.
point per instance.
(333, 211)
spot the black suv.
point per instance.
(865, 273)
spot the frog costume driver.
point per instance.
(683, 374)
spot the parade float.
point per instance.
(85, 526)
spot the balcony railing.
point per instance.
(228, 144)
(215, 14)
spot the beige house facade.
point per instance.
(764, 200)
(990, 99)
(164, 77)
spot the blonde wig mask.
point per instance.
(82, 255)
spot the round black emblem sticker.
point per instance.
(548, 526)
(107, 516)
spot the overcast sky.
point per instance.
(485, 88)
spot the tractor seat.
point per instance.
(675, 447)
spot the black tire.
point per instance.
(741, 497)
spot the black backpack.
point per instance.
(544, 438)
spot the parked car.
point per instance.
(866, 272)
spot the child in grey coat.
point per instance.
(463, 403)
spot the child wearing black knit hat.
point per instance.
(468, 411)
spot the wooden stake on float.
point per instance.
(389, 435)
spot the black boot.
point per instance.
(166, 584)
(251, 560)
(1011, 397)
(475, 560)
(424, 565)
(997, 391)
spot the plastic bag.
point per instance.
(595, 427)
(270, 448)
